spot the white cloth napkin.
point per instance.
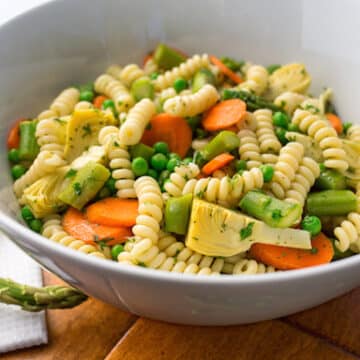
(18, 328)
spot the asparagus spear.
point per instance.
(36, 299)
(253, 101)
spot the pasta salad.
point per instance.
(193, 164)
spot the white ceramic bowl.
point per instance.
(71, 42)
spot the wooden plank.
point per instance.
(338, 321)
(88, 331)
(149, 339)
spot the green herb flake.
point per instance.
(314, 251)
(247, 231)
(86, 130)
(142, 264)
(276, 214)
(71, 173)
(77, 188)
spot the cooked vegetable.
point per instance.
(217, 163)
(216, 231)
(224, 114)
(232, 64)
(17, 171)
(177, 213)
(180, 84)
(335, 121)
(76, 225)
(290, 77)
(224, 141)
(109, 104)
(28, 147)
(86, 95)
(161, 147)
(99, 100)
(116, 250)
(13, 155)
(312, 224)
(281, 119)
(171, 129)
(225, 70)
(253, 102)
(330, 180)
(83, 129)
(166, 58)
(84, 185)
(113, 212)
(331, 202)
(13, 138)
(159, 161)
(285, 258)
(142, 88)
(34, 299)
(281, 135)
(274, 212)
(141, 150)
(139, 166)
(201, 78)
(268, 172)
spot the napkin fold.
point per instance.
(18, 328)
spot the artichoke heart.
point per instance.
(217, 231)
(290, 77)
(83, 129)
(352, 149)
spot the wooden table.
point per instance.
(96, 331)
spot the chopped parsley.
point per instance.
(247, 231)
(276, 214)
(86, 130)
(314, 251)
(60, 121)
(142, 264)
(71, 173)
(223, 227)
(77, 188)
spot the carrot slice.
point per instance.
(98, 101)
(13, 138)
(76, 225)
(225, 114)
(217, 163)
(225, 70)
(285, 258)
(113, 212)
(335, 121)
(174, 130)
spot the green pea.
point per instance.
(109, 104)
(86, 95)
(280, 119)
(139, 166)
(27, 214)
(172, 164)
(154, 75)
(272, 68)
(36, 225)
(281, 135)
(174, 156)
(163, 176)
(18, 171)
(13, 155)
(240, 165)
(161, 147)
(293, 127)
(187, 161)
(116, 250)
(268, 172)
(322, 167)
(110, 184)
(180, 84)
(153, 173)
(312, 224)
(346, 127)
(158, 162)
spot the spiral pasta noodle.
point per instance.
(256, 79)
(179, 177)
(119, 164)
(268, 141)
(83, 105)
(138, 118)
(45, 163)
(289, 101)
(114, 89)
(192, 104)
(53, 230)
(305, 178)
(64, 104)
(325, 136)
(353, 133)
(185, 70)
(286, 167)
(247, 267)
(249, 149)
(348, 233)
(114, 71)
(150, 67)
(130, 73)
(225, 191)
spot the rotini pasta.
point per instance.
(249, 149)
(256, 79)
(139, 116)
(114, 89)
(325, 136)
(348, 233)
(247, 267)
(353, 133)
(194, 104)
(186, 70)
(130, 73)
(289, 101)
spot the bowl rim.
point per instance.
(12, 226)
